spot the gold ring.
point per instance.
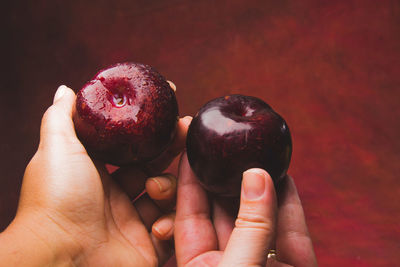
(272, 254)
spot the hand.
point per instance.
(73, 211)
(207, 234)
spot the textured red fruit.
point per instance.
(127, 113)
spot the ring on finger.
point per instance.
(272, 254)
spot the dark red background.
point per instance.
(331, 68)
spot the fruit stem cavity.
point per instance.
(119, 100)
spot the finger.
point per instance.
(225, 211)
(57, 129)
(104, 176)
(58, 147)
(178, 144)
(163, 248)
(172, 85)
(275, 263)
(194, 231)
(148, 211)
(293, 242)
(129, 222)
(162, 189)
(131, 179)
(163, 228)
(162, 236)
(255, 225)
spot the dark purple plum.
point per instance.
(232, 134)
(126, 114)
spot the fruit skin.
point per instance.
(126, 114)
(232, 134)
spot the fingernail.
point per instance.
(163, 183)
(172, 85)
(163, 227)
(254, 183)
(187, 119)
(60, 92)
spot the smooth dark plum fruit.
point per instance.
(232, 134)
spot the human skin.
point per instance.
(208, 232)
(72, 212)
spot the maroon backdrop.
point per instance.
(331, 68)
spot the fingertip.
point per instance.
(57, 124)
(287, 191)
(183, 159)
(258, 198)
(256, 183)
(185, 173)
(62, 91)
(59, 93)
(161, 187)
(182, 128)
(172, 85)
(258, 171)
(186, 120)
(176, 147)
(290, 184)
(163, 228)
(293, 232)
(256, 221)
(64, 100)
(192, 199)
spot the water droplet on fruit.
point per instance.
(119, 100)
(283, 128)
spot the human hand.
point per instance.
(207, 234)
(73, 211)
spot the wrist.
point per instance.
(32, 240)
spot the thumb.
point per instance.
(57, 126)
(254, 229)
